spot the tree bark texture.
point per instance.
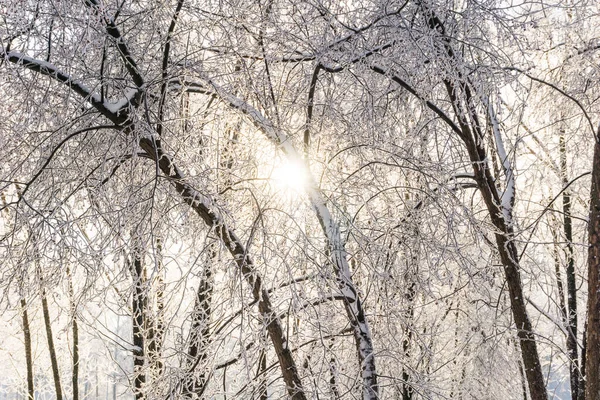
(139, 322)
(592, 362)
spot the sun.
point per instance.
(290, 176)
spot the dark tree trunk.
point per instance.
(75, 329)
(472, 132)
(407, 390)
(139, 308)
(156, 320)
(242, 259)
(571, 320)
(28, 354)
(51, 348)
(592, 362)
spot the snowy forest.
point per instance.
(300, 199)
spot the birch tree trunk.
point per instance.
(139, 318)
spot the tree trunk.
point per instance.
(139, 309)
(156, 323)
(200, 332)
(28, 355)
(500, 213)
(51, 348)
(592, 362)
(464, 96)
(571, 321)
(583, 358)
(75, 376)
(407, 389)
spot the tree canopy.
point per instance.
(300, 199)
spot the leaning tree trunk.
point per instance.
(210, 215)
(464, 98)
(501, 214)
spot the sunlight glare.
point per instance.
(291, 176)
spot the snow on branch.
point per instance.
(508, 196)
(109, 110)
(124, 102)
(48, 69)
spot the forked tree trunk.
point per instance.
(509, 256)
(463, 96)
(465, 104)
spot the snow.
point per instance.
(508, 195)
(51, 70)
(122, 102)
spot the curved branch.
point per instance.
(402, 83)
(559, 90)
(57, 148)
(50, 70)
